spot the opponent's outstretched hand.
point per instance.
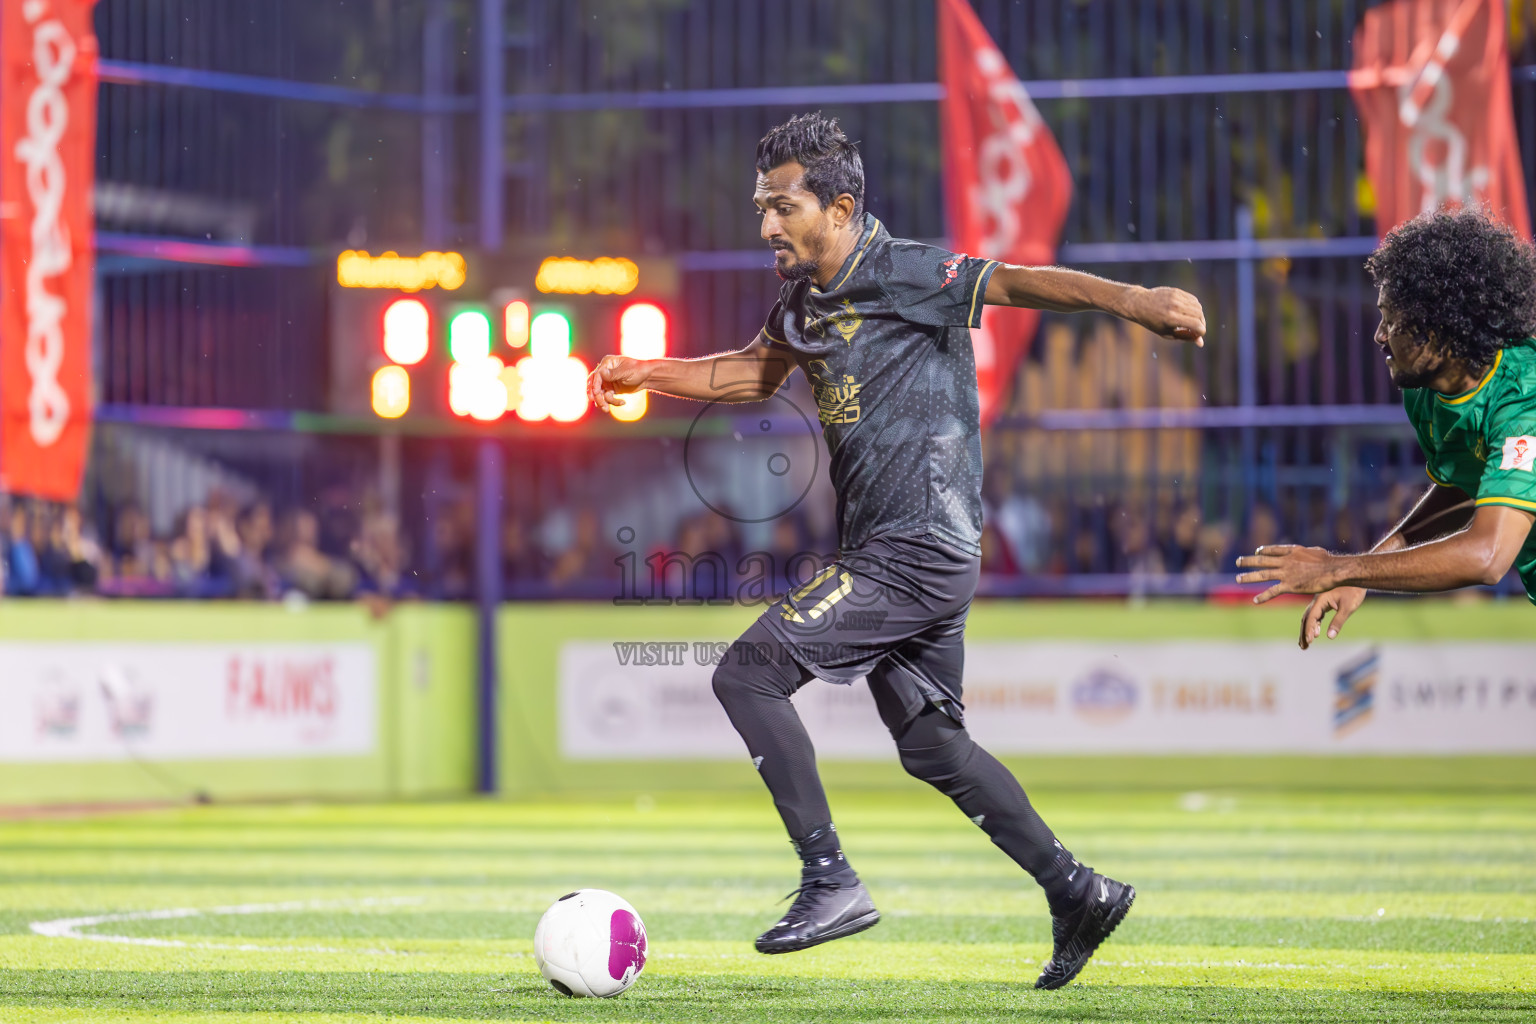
(614, 376)
(1299, 570)
(1171, 313)
(1342, 601)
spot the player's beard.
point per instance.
(1403, 380)
(1421, 377)
(807, 266)
(1414, 366)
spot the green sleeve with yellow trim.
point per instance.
(1509, 478)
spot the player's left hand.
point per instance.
(1299, 570)
(1171, 313)
(614, 376)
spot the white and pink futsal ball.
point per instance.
(590, 943)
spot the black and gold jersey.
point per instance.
(887, 351)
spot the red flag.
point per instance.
(1007, 187)
(1431, 80)
(47, 160)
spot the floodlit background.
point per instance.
(241, 147)
(330, 540)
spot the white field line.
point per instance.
(1463, 918)
(1250, 964)
(1352, 918)
(69, 927)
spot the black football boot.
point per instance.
(830, 903)
(824, 909)
(1083, 924)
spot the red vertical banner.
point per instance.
(47, 162)
(1006, 184)
(1431, 81)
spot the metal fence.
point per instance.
(1213, 144)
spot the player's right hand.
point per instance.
(614, 376)
(1342, 601)
(1170, 313)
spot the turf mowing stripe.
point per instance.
(781, 879)
(321, 930)
(1265, 906)
(859, 958)
(59, 1015)
(1005, 903)
(719, 999)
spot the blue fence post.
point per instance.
(1247, 356)
(488, 462)
(488, 599)
(493, 44)
(434, 126)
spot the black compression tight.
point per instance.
(938, 750)
(755, 692)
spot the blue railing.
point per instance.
(138, 73)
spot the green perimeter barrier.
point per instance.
(531, 636)
(425, 699)
(424, 693)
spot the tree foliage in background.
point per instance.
(365, 165)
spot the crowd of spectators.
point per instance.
(358, 550)
(1169, 536)
(216, 549)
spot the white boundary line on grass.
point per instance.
(69, 927)
(1259, 965)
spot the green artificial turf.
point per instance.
(1254, 905)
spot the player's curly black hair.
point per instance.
(831, 162)
(1462, 279)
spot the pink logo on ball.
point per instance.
(626, 944)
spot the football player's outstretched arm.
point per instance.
(1169, 312)
(1480, 554)
(747, 375)
(1441, 511)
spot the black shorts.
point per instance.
(894, 612)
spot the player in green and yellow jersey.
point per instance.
(1457, 293)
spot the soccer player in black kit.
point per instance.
(881, 327)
